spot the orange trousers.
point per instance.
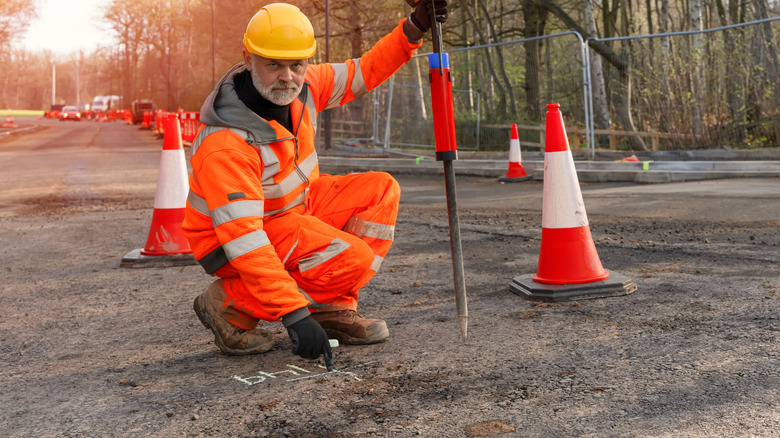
(332, 249)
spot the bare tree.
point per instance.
(535, 19)
(619, 61)
(15, 15)
(773, 66)
(600, 104)
(697, 79)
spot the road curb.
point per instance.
(587, 171)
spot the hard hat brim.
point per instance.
(280, 54)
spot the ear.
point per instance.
(247, 60)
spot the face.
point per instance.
(278, 80)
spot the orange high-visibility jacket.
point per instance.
(245, 169)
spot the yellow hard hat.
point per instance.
(280, 31)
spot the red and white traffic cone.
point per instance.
(516, 172)
(166, 243)
(9, 122)
(569, 266)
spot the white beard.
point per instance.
(280, 92)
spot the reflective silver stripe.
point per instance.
(310, 105)
(289, 253)
(235, 210)
(293, 180)
(271, 164)
(340, 76)
(198, 203)
(336, 247)
(360, 228)
(313, 304)
(208, 130)
(295, 202)
(376, 263)
(246, 243)
(358, 82)
(199, 138)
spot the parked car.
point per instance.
(70, 113)
(54, 112)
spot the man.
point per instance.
(288, 243)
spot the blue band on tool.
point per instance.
(433, 60)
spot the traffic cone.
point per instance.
(569, 266)
(9, 122)
(516, 172)
(166, 243)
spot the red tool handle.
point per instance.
(441, 101)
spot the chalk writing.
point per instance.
(295, 374)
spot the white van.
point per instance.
(105, 103)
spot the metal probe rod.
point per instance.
(461, 305)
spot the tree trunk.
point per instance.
(664, 28)
(600, 105)
(422, 112)
(772, 67)
(489, 63)
(535, 18)
(464, 5)
(697, 81)
(623, 103)
(357, 106)
(620, 62)
(499, 54)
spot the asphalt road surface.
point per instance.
(88, 348)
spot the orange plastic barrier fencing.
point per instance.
(159, 126)
(190, 121)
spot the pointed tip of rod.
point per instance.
(463, 322)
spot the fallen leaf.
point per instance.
(268, 405)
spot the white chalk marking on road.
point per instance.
(263, 376)
(341, 371)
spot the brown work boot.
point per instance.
(350, 328)
(232, 340)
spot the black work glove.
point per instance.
(421, 17)
(309, 341)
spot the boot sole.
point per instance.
(199, 305)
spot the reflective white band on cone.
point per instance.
(562, 205)
(514, 150)
(172, 184)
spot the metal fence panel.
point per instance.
(692, 90)
(491, 90)
(723, 95)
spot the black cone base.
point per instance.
(613, 286)
(134, 259)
